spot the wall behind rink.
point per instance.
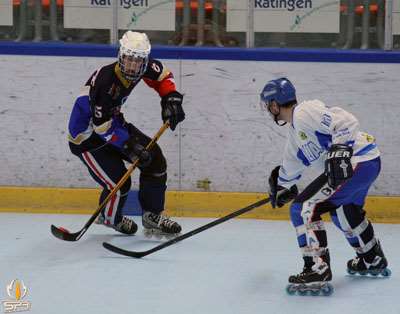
(225, 138)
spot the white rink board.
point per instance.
(132, 14)
(6, 12)
(302, 16)
(396, 17)
(224, 138)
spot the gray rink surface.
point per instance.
(240, 266)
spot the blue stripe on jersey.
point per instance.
(366, 149)
(325, 140)
(80, 116)
(300, 155)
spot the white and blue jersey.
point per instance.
(314, 128)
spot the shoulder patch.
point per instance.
(302, 135)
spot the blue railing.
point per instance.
(205, 53)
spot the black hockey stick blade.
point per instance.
(211, 224)
(63, 234)
(120, 251)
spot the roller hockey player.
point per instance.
(329, 140)
(102, 139)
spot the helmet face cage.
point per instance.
(133, 55)
(132, 65)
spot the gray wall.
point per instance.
(225, 137)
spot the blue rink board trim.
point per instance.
(205, 53)
(132, 206)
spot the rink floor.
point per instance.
(238, 267)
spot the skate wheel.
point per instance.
(327, 290)
(314, 293)
(374, 273)
(386, 272)
(351, 272)
(302, 292)
(291, 290)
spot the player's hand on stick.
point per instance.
(171, 109)
(278, 194)
(338, 166)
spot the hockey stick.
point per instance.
(135, 254)
(64, 234)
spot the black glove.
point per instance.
(279, 195)
(135, 150)
(171, 109)
(338, 166)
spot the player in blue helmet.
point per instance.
(282, 92)
(348, 160)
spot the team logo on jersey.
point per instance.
(368, 137)
(16, 290)
(302, 135)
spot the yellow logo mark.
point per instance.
(16, 290)
(369, 138)
(302, 135)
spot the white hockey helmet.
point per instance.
(133, 55)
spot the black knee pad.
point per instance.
(156, 171)
(153, 179)
(355, 216)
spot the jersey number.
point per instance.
(97, 111)
(156, 67)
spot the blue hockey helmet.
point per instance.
(281, 90)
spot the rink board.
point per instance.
(178, 203)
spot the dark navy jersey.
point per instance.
(98, 108)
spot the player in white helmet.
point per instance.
(101, 137)
(133, 55)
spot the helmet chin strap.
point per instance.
(276, 118)
(277, 121)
